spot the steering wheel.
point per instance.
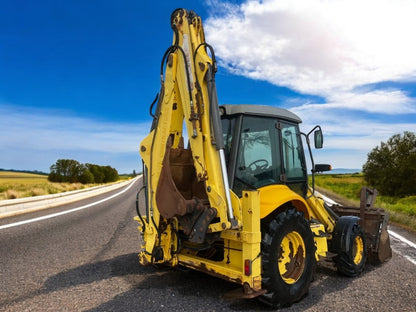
(260, 164)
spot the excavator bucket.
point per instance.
(374, 222)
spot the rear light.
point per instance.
(247, 267)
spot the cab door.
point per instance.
(294, 165)
(258, 154)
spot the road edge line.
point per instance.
(67, 211)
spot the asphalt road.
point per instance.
(87, 261)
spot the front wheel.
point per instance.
(350, 246)
(288, 258)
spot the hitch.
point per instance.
(246, 292)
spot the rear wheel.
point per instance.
(288, 258)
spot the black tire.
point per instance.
(288, 229)
(350, 248)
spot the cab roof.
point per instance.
(259, 110)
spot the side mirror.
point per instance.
(322, 168)
(318, 138)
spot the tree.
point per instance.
(110, 174)
(86, 177)
(65, 170)
(391, 167)
(97, 172)
(103, 174)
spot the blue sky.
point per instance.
(77, 77)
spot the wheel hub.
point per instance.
(291, 258)
(358, 249)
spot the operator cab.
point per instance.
(263, 146)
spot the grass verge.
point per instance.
(18, 185)
(345, 189)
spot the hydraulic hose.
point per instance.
(138, 209)
(151, 105)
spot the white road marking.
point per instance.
(66, 211)
(392, 233)
(403, 241)
(401, 238)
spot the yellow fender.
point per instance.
(274, 196)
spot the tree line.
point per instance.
(70, 170)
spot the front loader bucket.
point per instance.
(374, 222)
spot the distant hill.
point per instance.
(343, 171)
(25, 171)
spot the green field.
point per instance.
(17, 185)
(402, 210)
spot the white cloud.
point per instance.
(35, 139)
(349, 131)
(389, 102)
(348, 138)
(339, 50)
(317, 46)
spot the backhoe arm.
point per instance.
(187, 189)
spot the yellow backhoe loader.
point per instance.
(226, 187)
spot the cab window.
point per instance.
(258, 159)
(294, 166)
